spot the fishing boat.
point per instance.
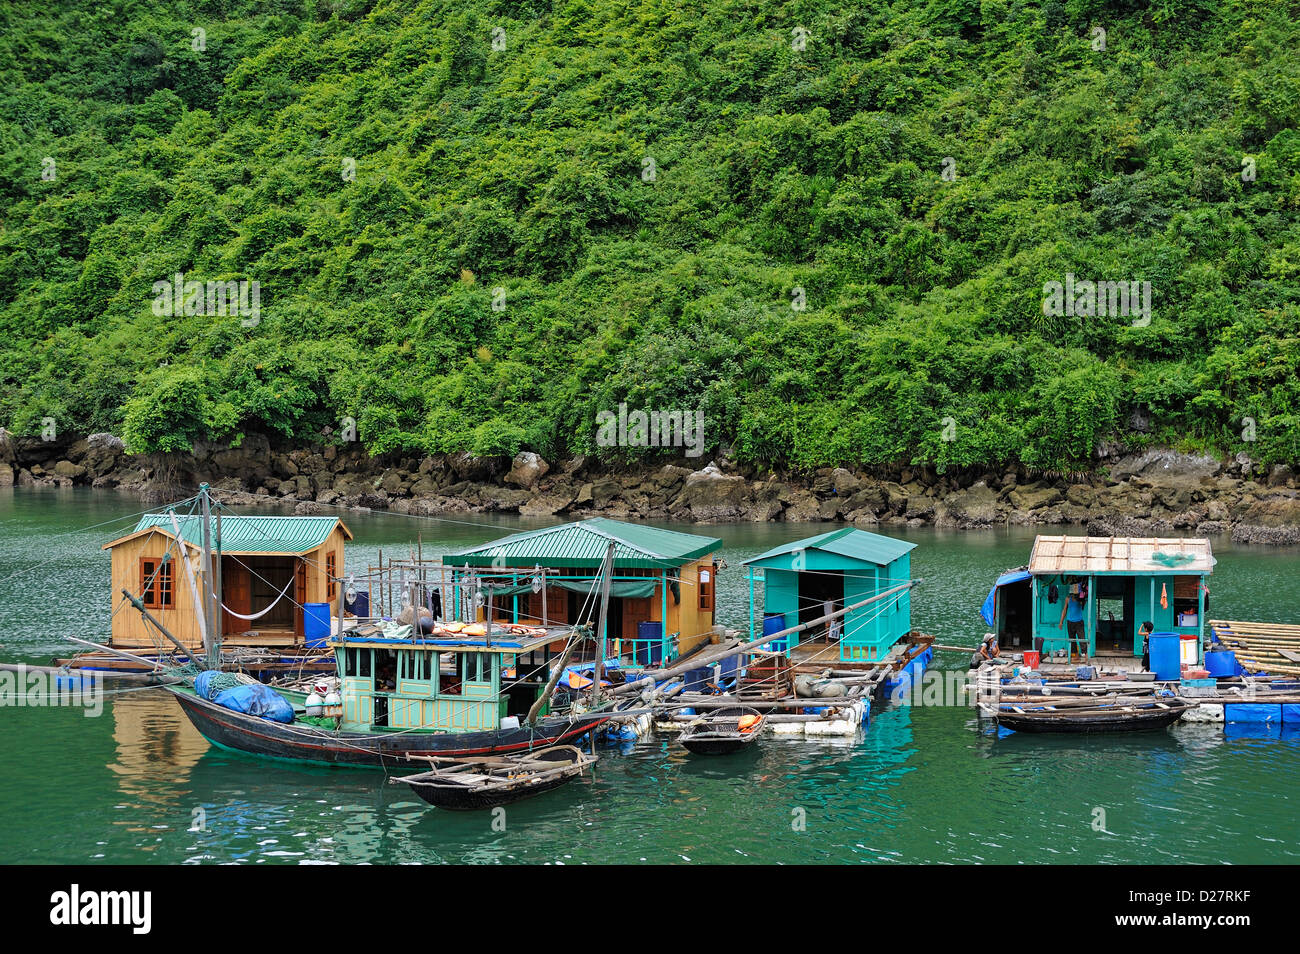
(443, 693)
(723, 731)
(1116, 715)
(487, 783)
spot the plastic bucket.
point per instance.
(1031, 658)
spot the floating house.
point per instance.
(268, 569)
(1122, 582)
(662, 591)
(809, 578)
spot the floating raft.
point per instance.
(1261, 647)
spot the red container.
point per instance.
(1031, 658)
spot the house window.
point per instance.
(331, 587)
(156, 583)
(706, 588)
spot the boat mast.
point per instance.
(603, 637)
(210, 647)
(218, 622)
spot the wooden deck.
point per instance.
(1261, 647)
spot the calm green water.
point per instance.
(922, 785)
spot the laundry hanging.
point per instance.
(1164, 597)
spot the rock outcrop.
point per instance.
(1156, 492)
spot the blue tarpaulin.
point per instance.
(257, 700)
(989, 607)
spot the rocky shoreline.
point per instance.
(1150, 493)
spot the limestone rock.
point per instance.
(527, 469)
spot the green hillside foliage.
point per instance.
(643, 187)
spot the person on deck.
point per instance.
(1145, 631)
(1072, 613)
(988, 650)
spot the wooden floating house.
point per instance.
(267, 569)
(661, 592)
(807, 579)
(1125, 581)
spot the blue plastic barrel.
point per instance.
(774, 623)
(1165, 660)
(697, 679)
(316, 623)
(650, 642)
(1221, 663)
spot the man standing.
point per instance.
(1145, 631)
(1072, 613)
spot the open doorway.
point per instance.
(819, 592)
(1015, 613)
(1115, 623)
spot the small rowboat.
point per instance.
(1119, 716)
(723, 731)
(487, 783)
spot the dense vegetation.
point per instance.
(1170, 156)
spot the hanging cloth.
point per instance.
(1164, 597)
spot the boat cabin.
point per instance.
(439, 681)
(662, 590)
(268, 569)
(1117, 583)
(809, 578)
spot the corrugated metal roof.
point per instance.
(251, 534)
(583, 544)
(861, 546)
(1149, 555)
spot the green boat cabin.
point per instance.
(452, 685)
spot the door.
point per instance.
(236, 595)
(299, 597)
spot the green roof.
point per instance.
(860, 546)
(583, 544)
(251, 534)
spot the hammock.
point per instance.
(255, 615)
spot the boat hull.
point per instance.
(245, 733)
(715, 746)
(1141, 721)
(442, 791)
(718, 733)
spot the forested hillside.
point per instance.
(829, 226)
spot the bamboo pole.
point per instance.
(189, 577)
(536, 707)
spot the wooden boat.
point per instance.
(723, 731)
(1126, 715)
(486, 783)
(400, 702)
